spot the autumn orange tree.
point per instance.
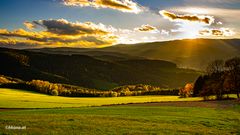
(187, 91)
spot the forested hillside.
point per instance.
(86, 71)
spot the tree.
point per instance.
(216, 67)
(216, 72)
(233, 67)
(228, 85)
(206, 89)
(187, 91)
(198, 85)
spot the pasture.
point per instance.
(11, 98)
(44, 114)
(126, 119)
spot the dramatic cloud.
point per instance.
(61, 33)
(63, 27)
(20, 37)
(222, 32)
(192, 18)
(122, 5)
(19, 44)
(147, 28)
(20, 33)
(29, 25)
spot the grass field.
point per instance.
(124, 120)
(10, 98)
(213, 117)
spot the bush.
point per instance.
(114, 94)
(54, 93)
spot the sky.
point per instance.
(100, 23)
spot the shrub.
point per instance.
(54, 93)
(114, 94)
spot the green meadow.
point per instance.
(62, 115)
(12, 98)
(124, 120)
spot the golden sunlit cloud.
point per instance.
(122, 5)
(20, 33)
(147, 28)
(29, 25)
(57, 41)
(24, 43)
(191, 18)
(222, 32)
(19, 43)
(61, 33)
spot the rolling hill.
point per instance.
(188, 53)
(91, 72)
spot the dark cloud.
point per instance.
(63, 27)
(192, 18)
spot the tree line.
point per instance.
(57, 89)
(221, 78)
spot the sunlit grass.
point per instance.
(139, 119)
(10, 98)
(124, 120)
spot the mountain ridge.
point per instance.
(187, 53)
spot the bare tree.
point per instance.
(215, 67)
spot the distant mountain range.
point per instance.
(189, 53)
